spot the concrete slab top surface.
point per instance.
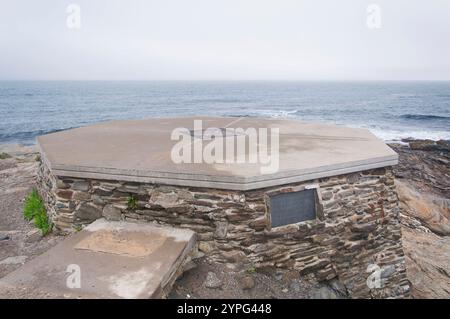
(106, 260)
(141, 150)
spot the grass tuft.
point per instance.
(132, 202)
(34, 208)
(32, 205)
(251, 270)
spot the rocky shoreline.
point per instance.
(423, 187)
(426, 164)
(423, 184)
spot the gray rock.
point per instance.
(198, 254)
(212, 281)
(338, 287)
(112, 213)
(221, 229)
(61, 205)
(429, 145)
(387, 271)
(82, 196)
(102, 191)
(189, 265)
(205, 247)
(247, 283)
(97, 200)
(294, 286)
(14, 260)
(61, 185)
(4, 237)
(64, 194)
(88, 212)
(164, 199)
(323, 292)
(81, 186)
(333, 289)
(33, 236)
(364, 228)
(278, 275)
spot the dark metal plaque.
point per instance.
(290, 208)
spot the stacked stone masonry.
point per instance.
(356, 236)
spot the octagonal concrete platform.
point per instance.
(112, 259)
(140, 150)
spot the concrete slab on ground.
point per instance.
(113, 259)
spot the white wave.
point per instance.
(395, 136)
(275, 113)
(387, 135)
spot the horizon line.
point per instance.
(224, 80)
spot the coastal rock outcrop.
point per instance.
(423, 187)
(431, 210)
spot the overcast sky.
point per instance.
(224, 40)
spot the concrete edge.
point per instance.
(238, 184)
(177, 270)
(178, 234)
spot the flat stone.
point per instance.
(140, 151)
(61, 185)
(112, 213)
(80, 186)
(88, 212)
(65, 194)
(387, 271)
(114, 260)
(164, 199)
(14, 260)
(221, 229)
(97, 200)
(81, 196)
(364, 228)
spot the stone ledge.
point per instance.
(139, 151)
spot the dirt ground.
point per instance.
(242, 284)
(19, 240)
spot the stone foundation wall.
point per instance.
(357, 234)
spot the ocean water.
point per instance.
(391, 110)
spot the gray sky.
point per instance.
(225, 40)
